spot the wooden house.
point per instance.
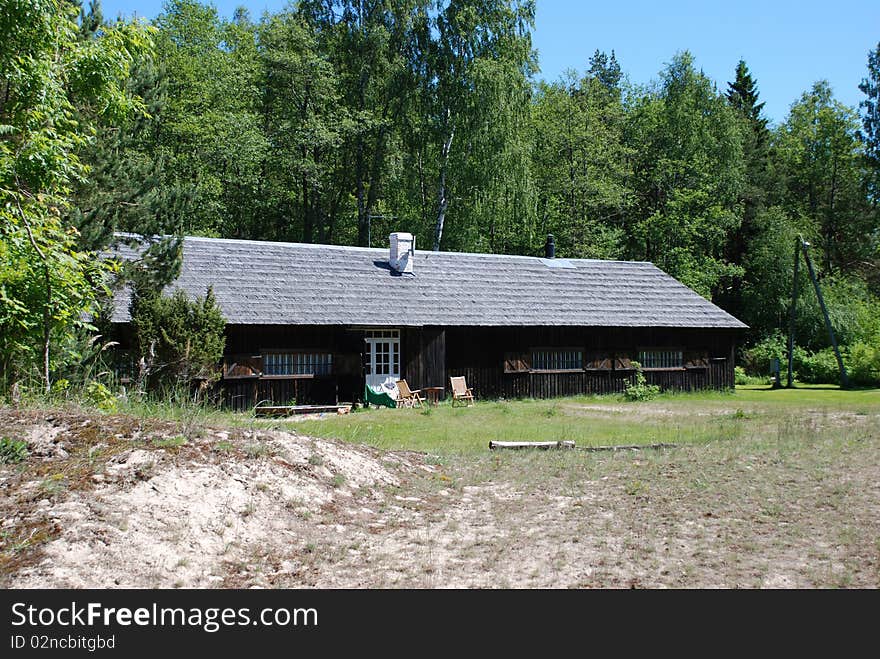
(315, 323)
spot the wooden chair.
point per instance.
(461, 392)
(408, 397)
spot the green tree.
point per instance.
(55, 87)
(688, 177)
(819, 157)
(742, 95)
(581, 164)
(208, 135)
(474, 60)
(369, 44)
(870, 86)
(178, 341)
(306, 123)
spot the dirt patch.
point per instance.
(132, 503)
(137, 506)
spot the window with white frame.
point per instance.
(557, 360)
(661, 358)
(297, 363)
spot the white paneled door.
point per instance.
(382, 356)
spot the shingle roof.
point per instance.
(299, 284)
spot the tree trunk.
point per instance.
(47, 309)
(442, 201)
(307, 213)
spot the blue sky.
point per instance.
(787, 45)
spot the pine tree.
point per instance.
(742, 96)
(91, 21)
(870, 86)
(605, 69)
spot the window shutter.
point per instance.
(516, 362)
(696, 359)
(598, 360)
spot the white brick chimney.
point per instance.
(403, 247)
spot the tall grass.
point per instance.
(707, 417)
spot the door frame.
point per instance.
(390, 368)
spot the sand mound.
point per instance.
(172, 511)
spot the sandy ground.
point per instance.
(121, 502)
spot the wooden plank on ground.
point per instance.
(523, 445)
(289, 410)
(627, 447)
(571, 445)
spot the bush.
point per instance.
(12, 450)
(641, 390)
(101, 397)
(819, 367)
(756, 360)
(180, 341)
(864, 364)
(740, 377)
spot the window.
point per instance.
(381, 354)
(661, 359)
(297, 363)
(597, 360)
(557, 360)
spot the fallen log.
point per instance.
(628, 447)
(571, 445)
(538, 445)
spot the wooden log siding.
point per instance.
(424, 357)
(343, 383)
(495, 360)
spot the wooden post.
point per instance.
(844, 379)
(794, 293)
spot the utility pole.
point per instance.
(802, 246)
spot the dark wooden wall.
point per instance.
(424, 354)
(433, 354)
(479, 355)
(344, 384)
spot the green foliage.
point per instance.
(56, 87)
(99, 395)
(741, 378)
(863, 364)
(12, 450)
(170, 442)
(819, 367)
(689, 170)
(870, 86)
(328, 122)
(756, 359)
(581, 163)
(819, 156)
(180, 341)
(641, 390)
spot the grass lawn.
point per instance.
(749, 412)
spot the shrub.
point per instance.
(819, 367)
(864, 364)
(641, 390)
(756, 360)
(180, 341)
(740, 377)
(101, 397)
(12, 450)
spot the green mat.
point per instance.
(371, 396)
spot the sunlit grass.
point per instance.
(751, 412)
